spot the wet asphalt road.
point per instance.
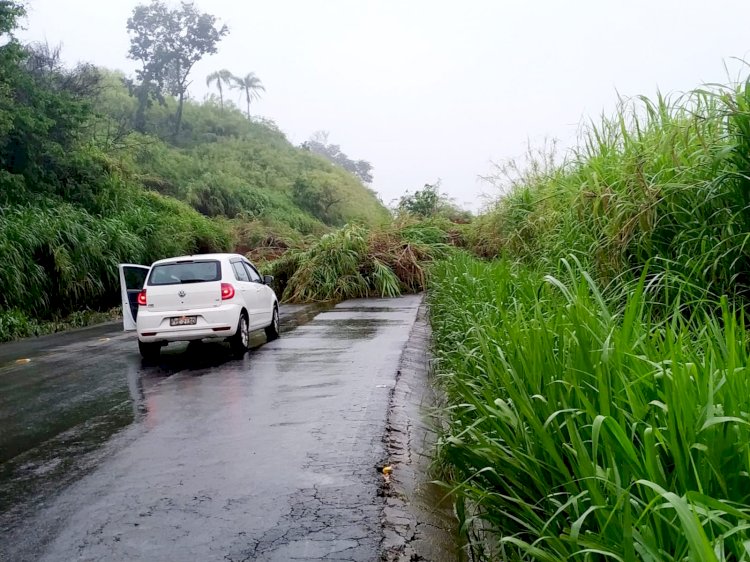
(201, 457)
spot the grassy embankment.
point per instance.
(597, 369)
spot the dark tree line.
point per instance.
(44, 108)
(319, 144)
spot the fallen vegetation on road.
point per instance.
(356, 261)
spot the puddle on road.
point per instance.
(301, 317)
(371, 309)
(297, 387)
(352, 328)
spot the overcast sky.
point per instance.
(434, 89)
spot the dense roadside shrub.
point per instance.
(58, 258)
(584, 432)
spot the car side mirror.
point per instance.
(268, 279)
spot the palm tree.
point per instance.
(221, 77)
(251, 85)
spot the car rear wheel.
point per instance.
(149, 350)
(272, 330)
(240, 341)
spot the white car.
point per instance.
(207, 296)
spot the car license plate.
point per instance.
(183, 321)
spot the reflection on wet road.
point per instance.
(267, 458)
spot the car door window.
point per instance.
(252, 273)
(135, 277)
(240, 273)
(132, 280)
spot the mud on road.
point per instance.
(201, 457)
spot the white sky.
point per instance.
(428, 89)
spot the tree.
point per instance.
(168, 43)
(424, 203)
(10, 13)
(43, 109)
(221, 78)
(44, 63)
(250, 85)
(319, 144)
(429, 202)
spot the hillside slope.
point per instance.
(81, 190)
(226, 165)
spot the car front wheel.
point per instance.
(272, 330)
(240, 341)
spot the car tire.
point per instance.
(240, 341)
(272, 330)
(149, 350)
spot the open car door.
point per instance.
(132, 279)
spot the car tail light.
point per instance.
(227, 291)
(142, 298)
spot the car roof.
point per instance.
(199, 257)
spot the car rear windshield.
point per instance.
(185, 272)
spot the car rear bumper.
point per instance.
(216, 322)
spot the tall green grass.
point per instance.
(585, 432)
(58, 258)
(600, 409)
(664, 180)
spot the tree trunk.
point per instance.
(139, 123)
(178, 120)
(221, 95)
(248, 105)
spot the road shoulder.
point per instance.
(418, 524)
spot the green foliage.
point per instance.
(581, 431)
(15, 324)
(317, 194)
(601, 410)
(41, 115)
(10, 13)
(221, 78)
(356, 262)
(59, 258)
(428, 202)
(662, 180)
(423, 203)
(229, 166)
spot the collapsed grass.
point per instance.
(356, 261)
(15, 324)
(582, 432)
